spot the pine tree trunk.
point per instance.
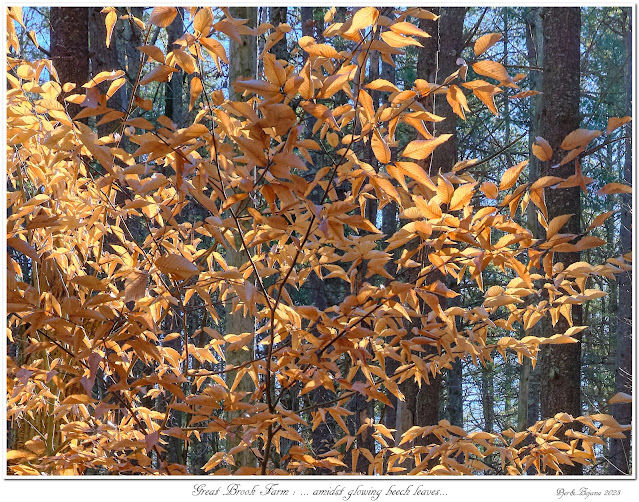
(436, 60)
(561, 364)
(528, 405)
(174, 88)
(243, 63)
(620, 449)
(70, 47)
(277, 16)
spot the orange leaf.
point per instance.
(186, 61)
(616, 122)
(556, 224)
(462, 196)
(362, 19)
(421, 149)
(457, 101)
(524, 94)
(162, 16)
(23, 247)
(599, 220)
(612, 188)
(541, 149)
(177, 265)
(382, 85)
(620, 397)
(495, 70)
(195, 91)
(578, 138)
(202, 21)
(109, 21)
(405, 28)
(158, 74)
(380, 148)
(485, 42)
(396, 40)
(511, 175)
(489, 189)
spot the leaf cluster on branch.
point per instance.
(115, 289)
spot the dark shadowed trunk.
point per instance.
(620, 448)
(70, 47)
(561, 365)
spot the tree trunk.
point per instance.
(436, 60)
(243, 63)
(528, 405)
(277, 16)
(174, 88)
(561, 364)
(620, 448)
(70, 47)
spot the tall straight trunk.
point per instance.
(528, 405)
(105, 58)
(174, 88)
(243, 63)
(277, 16)
(70, 47)
(451, 39)
(436, 60)
(620, 448)
(561, 364)
(322, 436)
(389, 227)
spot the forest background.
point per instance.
(256, 278)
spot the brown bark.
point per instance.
(104, 58)
(620, 449)
(174, 89)
(528, 405)
(277, 16)
(561, 364)
(70, 47)
(435, 62)
(243, 63)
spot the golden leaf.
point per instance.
(489, 189)
(109, 21)
(511, 175)
(599, 220)
(457, 101)
(462, 196)
(186, 61)
(382, 85)
(616, 122)
(380, 148)
(579, 138)
(620, 397)
(202, 21)
(404, 28)
(485, 42)
(556, 224)
(160, 73)
(421, 149)
(153, 52)
(495, 70)
(541, 149)
(135, 286)
(195, 91)
(177, 265)
(162, 16)
(396, 40)
(362, 19)
(612, 188)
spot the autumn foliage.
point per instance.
(118, 265)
